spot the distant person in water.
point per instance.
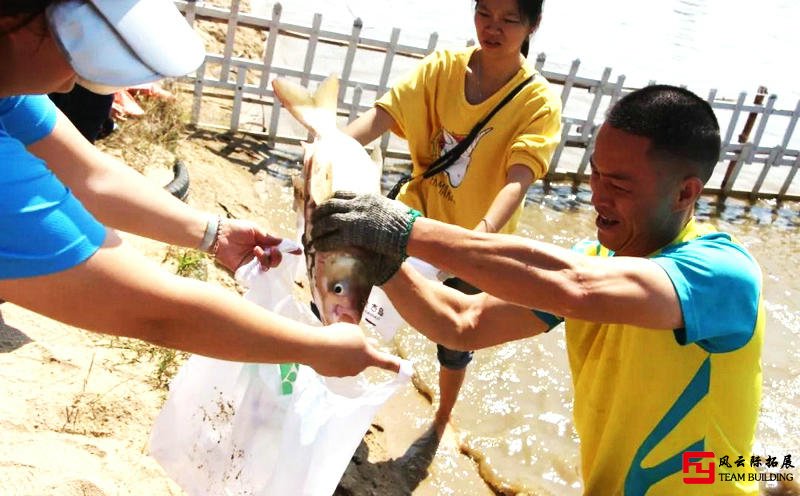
(437, 105)
(664, 320)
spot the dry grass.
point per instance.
(152, 139)
(165, 361)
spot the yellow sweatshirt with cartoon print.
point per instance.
(431, 111)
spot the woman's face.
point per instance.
(500, 27)
(34, 61)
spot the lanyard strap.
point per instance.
(446, 160)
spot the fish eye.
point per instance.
(338, 288)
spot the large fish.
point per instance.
(340, 280)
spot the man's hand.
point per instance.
(240, 240)
(372, 222)
(382, 267)
(346, 352)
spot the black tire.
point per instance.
(179, 186)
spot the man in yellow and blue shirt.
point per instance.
(664, 323)
(643, 397)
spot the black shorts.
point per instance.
(456, 359)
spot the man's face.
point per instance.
(634, 198)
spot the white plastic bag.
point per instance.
(264, 429)
(381, 315)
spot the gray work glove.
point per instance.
(381, 268)
(371, 222)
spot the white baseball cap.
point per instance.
(120, 43)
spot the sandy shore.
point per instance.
(78, 408)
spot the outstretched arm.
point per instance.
(528, 273)
(118, 291)
(505, 203)
(117, 195)
(539, 275)
(120, 197)
(369, 125)
(457, 320)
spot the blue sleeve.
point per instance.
(719, 286)
(43, 227)
(548, 318)
(28, 118)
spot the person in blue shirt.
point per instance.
(664, 322)
(61, 199)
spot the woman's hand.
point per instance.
(346, 352)
(239, 241)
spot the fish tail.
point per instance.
(316, 112)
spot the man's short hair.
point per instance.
(681, 126)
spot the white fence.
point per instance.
(757, 158)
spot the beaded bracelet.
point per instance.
(210, 240)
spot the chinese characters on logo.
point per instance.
(699, 468)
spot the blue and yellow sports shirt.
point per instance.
(644, 397)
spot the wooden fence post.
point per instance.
(269, 49)
(789, 178)
(197, 98)
(230, 38)
(743, 137)
(349, 58)
(383, 83)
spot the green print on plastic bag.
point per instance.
(288, 376)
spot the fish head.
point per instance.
(341, 285)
